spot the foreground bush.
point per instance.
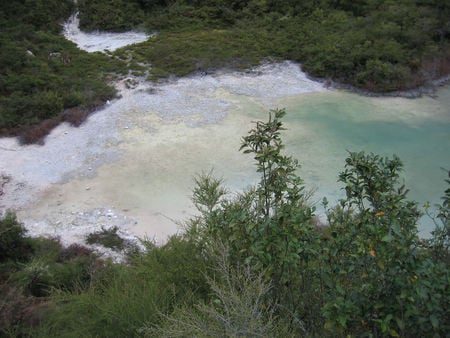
(238, 306)
(123, 299)
(381, 279)
(256, 264)
(31, 269)
(367, 273)
(13, 244)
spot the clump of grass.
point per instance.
(107, 238)
(74, 251)
(182, 53)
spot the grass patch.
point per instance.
(107, 238)
(183, 53)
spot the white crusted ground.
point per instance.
(131, 164)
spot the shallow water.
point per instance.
(417, 130)
(323, 126)
(132, 164)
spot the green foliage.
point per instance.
(13, 244)
(255, 264)
(32, 271)
(54, 267)
(440, 242)
(107, 238)
(374, 45)
(379, 280)
(271, 226)
(184, 52)
(366, 273)
(124, 298)
(113, 15)
(379, 46)
(42, 74)
(238, 306)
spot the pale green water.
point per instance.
(169, 135)
(323, 126)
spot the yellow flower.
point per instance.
(372, 252)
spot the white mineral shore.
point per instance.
(100, 41)
(131, 163)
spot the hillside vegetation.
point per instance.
(45, 79)
(376, 45)
(250, 264)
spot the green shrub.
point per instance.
(379, 279)
(270, 226)
(13, 243)
(122, 299)
(53, 267)
(107, 238)
(239, 306)
(367, 273)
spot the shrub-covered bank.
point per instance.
(250, 264)
(44, 78)
(377, 46)
(374, 45)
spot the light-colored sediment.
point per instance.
(131, 164)
(99, 41)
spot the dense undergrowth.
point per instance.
(375, 45)
(44, 78)
(253, 264)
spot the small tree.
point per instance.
(379, 280)
(269, 226)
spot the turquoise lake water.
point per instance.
(322, 127)
(195, 125)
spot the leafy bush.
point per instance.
(107, 238)
(366, 273)
(55, 267)
(270, 226)
(113, 15)
(122, 299)
(238, 307)
(33, 269)
(13, 243)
